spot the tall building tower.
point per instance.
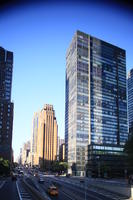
(6, 107)
(130, 101)
(26, 153)
(60, 141)
(47, 137)
(96, 104)
(62, 152)
(34, 139)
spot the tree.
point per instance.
(4, 166)
(63, 166)
(59, 167)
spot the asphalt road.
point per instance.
(15, 190)
(9, 190)
(68, 190)
(75, 192)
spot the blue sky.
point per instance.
(39, 35)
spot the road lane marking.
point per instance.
(2, 184)
(66, 195)
(23, 195)
(18, 191)
(105, 193)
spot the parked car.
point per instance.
(52, 190)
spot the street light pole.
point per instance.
(98, 165)
(99, 174)
(85, 181)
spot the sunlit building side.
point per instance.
(47, 137)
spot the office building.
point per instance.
(60, 141)
(6, 106)
(20, 157)
(96, 103)
(62, 152)
(26, 153)
(130, 101)
(47, 137)
(34, 139)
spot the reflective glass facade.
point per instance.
(96, 104)
(6, 107)
(130, 100)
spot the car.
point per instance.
(53, 190)
(56, 175)
(14, 176)
(36, 174)
(41, 179)
(68, 175)
(20, 173)
(82, 180)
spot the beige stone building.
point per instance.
(34, 139)
(46, 137)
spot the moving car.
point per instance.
(56, 175)
(52, 190)
(68, 175)
(20, 173)
(14, 176)
(36, 174)
(82, 180)
(41, 179)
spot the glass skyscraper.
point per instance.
(130, 100)
(96, 103)
(6, 106)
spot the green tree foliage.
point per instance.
(4, 166)
(59, 167)
(15, 164)
(129, 151)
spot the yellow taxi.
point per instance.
(53, 190)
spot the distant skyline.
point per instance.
(39, 36)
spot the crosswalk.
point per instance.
(23, 194)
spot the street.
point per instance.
(69, 189)
(9, 190)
